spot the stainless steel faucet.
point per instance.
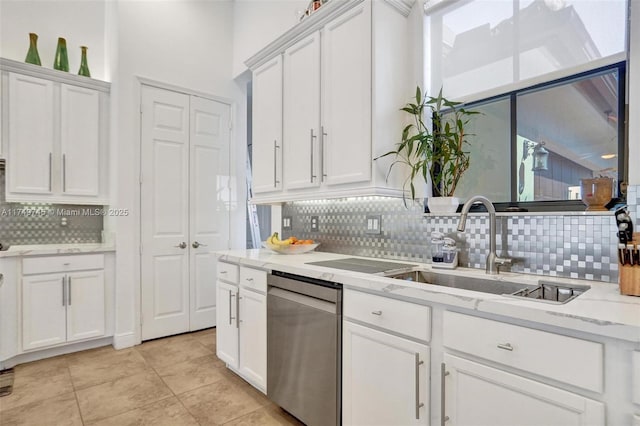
(493, 261)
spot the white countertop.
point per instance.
(45, 249)
(601, 310)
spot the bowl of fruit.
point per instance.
(291, 245)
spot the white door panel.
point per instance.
(185, 208)
(43, 311)
(32, 133)
(85, 305)
(80, 139)
(301, 139)
(253, 337)
(209, 203)
(267, 127)
(165, 212)
(227, 324)
(346, 92)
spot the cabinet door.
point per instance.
(31, 135)
(479, 395)
(267, 127)
(43, 310)
(85, 305)
(384, 379)
(346, 97)
(302, 113)
(253, 337)
(80, 140)
(227, 323)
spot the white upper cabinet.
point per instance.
(80, 140)
(348, 69)
(302, 113)
(56, 135)
(267, 127)
(346, 97)
(31, 132)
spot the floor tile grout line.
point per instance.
(75, 394)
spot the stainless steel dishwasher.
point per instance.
(304, 347)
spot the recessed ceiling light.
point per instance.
(608, 156)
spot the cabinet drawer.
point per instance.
(227, 272)
(254, 279)
(45, 265)
(398, 316)
(566, 359)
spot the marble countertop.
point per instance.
(46, 249)
(600, 310)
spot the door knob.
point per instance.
(182, 245)
(197, 244)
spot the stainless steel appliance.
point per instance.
(304, 335)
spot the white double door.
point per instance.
(185, 199)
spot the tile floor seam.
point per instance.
(188, 411)
(75, 394)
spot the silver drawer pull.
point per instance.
(249, 279)
(376, 313)
(223, 272)
(505, 346)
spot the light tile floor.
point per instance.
(173, 381)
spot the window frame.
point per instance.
(562, 205)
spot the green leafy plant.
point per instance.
(434, 149)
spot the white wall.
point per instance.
(187, 44)
(81, 23)
(256, 23)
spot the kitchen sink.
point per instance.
(544, 291)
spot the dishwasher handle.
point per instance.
(301, 299)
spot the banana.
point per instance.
(275, 240)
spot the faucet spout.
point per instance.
(493, 261)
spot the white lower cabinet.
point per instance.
(385, 378)
(62, 307)
(226, 323)
(253, 337)
(479, 395)
(241, 317)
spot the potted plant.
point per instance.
(433, 147)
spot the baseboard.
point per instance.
(51, 352)
(124, 340)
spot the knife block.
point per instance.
(630, 275)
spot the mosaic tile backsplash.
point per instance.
(34, 223)
(572, 246)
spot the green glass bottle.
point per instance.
(84, 66)
(32, 54)
(61, 62)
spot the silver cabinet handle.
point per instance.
(223, 272)
(50, 169)
(324, 174)
(311, 166)
(182, 245)
(197, 244)
(231, 317)
(248, 279)
(443, 373)
(419, 404)
(376, 313)
(275, 163)
(505, 346)
(64, 292)
(68, 290)
(238, 312)
(64, 172)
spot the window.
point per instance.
(535, 145)
(548, 77)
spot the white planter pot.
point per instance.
(441, 205)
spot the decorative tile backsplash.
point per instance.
(573, 246)
(35, 223)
